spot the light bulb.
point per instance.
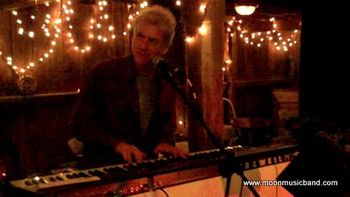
(245, 10)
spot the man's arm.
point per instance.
(85, 123)
(167, 124)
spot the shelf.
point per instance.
(264, 82)
(42, 96)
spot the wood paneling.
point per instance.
(34, 129)
(65, 68)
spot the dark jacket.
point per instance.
(107, 110)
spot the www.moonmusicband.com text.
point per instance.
(291, 183)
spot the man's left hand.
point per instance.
(172, 150)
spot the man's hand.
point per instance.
(129, 152)
(172, 150)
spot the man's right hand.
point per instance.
(129, 152)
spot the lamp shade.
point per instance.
(245, 10)
(245, 7)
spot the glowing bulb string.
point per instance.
(53, 27)
(50, 21)
(280, 41)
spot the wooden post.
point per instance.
(204, 61)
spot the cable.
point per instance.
(166, 194)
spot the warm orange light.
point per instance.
(245, 10)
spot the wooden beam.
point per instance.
(21, 4)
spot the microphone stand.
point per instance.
(229, 166)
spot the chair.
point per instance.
(245, 126)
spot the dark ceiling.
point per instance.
(269, 7)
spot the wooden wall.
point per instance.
(32, 123)
(258, 66)
(34, 132)
(65, 66)
(42, 120)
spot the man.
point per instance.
(126, 107)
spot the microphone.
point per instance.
(162, 66)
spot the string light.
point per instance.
(228, 61)
(100, 28)
(281, 41)
(203, 29)
(202, 8)
(100, 25)
(189, 39)
(32, 35)
(178, 3)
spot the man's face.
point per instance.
(147, 44)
